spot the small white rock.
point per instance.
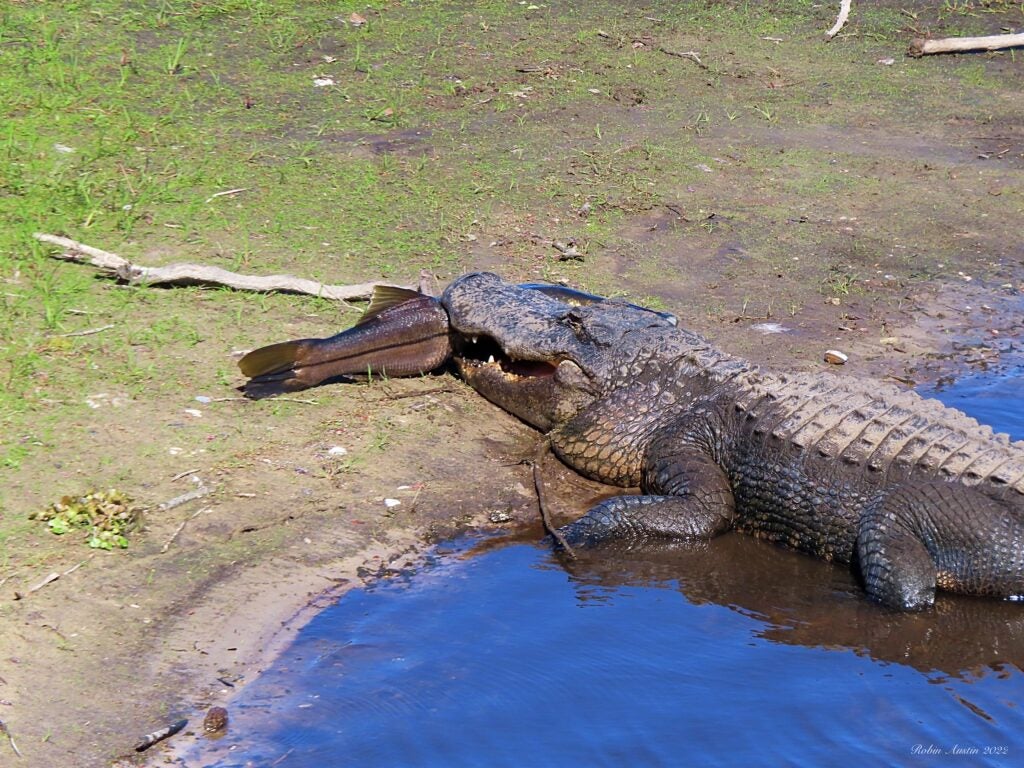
(337, 450)
(389, 503)
(203, 399)
(194, 412)
(321, 82)
(769, 328)
(835, 357)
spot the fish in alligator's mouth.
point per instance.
(406, 333)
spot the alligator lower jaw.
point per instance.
(482, 356)
(512, 371)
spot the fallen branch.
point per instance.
(691, 55)
(844, 14)
(922, 47)
(198, 274)
(157, 736)
(538, 483)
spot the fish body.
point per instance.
(403, 333)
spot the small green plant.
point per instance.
(840, 281)
(174, 65)
(108, 516)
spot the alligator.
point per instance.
(914, 496)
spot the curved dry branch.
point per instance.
(844, 14)
(198, 274)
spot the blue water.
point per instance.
(496, 653)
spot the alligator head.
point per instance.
(542, 353)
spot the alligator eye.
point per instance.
(574, 319)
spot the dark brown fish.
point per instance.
(402, 333)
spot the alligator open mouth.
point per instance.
(480, 352)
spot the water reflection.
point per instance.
(802, 601)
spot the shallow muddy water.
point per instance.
(496, 653)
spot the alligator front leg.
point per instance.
(691, 499)
(638, 518)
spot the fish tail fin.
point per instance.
(288, 366)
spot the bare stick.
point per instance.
(157, 736)
(691, 55)
(538, 483)
(844, 14)
(181, 527)
(74, 568)
(88, 332)
(48, 580)
(198, 274)
(215, 195)
(6, 732)
(922, 47)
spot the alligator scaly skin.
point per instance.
(915, 495)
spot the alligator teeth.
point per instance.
(473, 339)
(490, 359)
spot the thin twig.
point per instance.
(199, 274)
(844, 14)
(538, 483)
(88, 332)
(186, 473)
(181, 527)
(691, 55)
(74, 568)
(6, 732)
(226, 192)
(48, 580)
